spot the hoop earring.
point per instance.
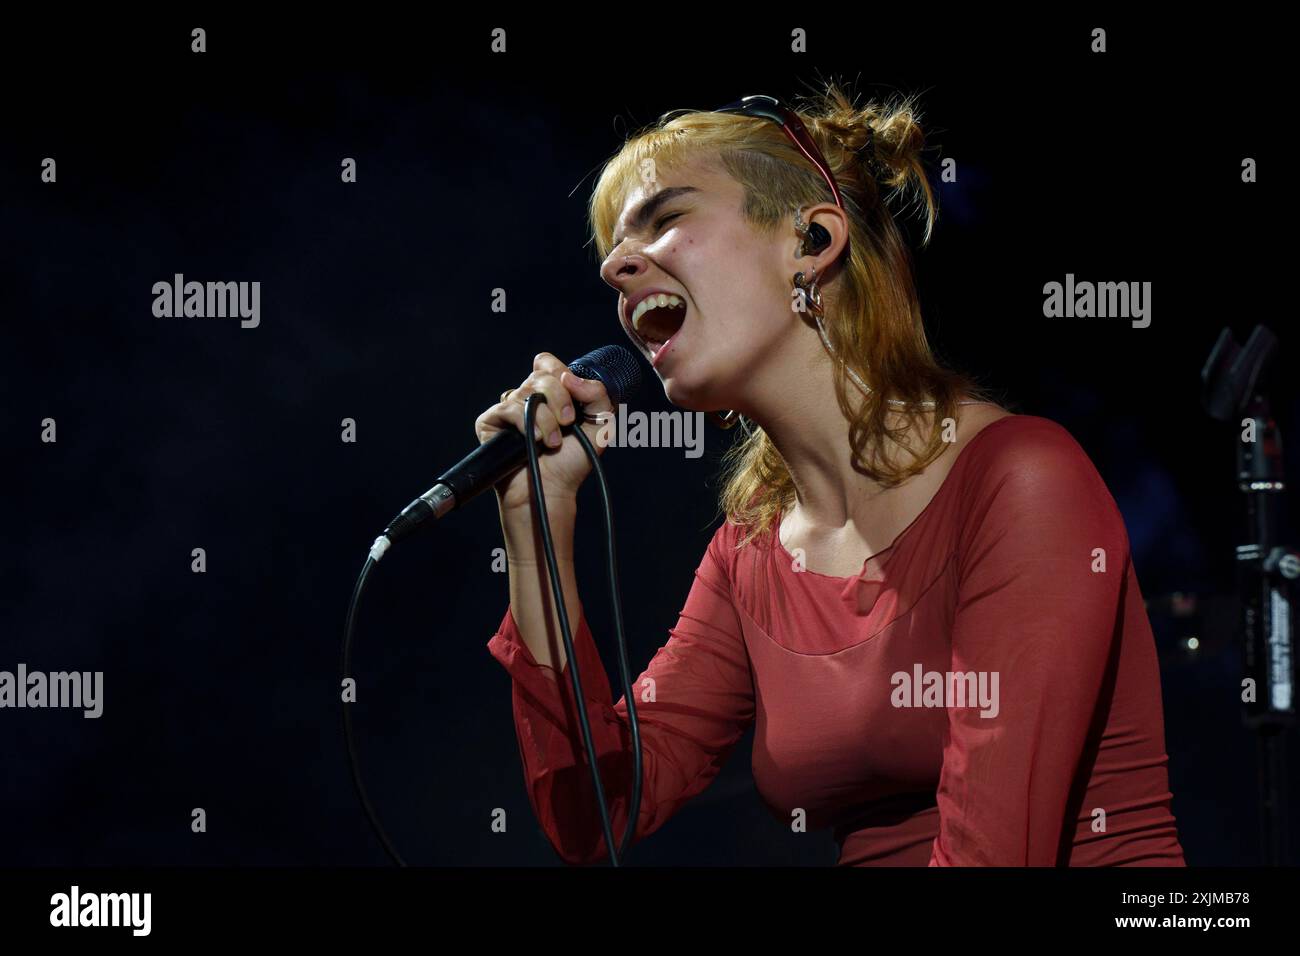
(811, 295)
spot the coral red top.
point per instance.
(985, 692)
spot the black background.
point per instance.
(221, 689)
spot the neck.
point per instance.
(797, 408)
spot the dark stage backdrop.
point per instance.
(473, 169)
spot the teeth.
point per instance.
(659, 301)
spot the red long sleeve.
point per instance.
(1017, 570)
(699, 704)
(1034, 608)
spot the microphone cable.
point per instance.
(539, 500)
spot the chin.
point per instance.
(681, 394)
(692, 384)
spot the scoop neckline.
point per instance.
(943, 485)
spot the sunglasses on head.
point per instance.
(769, 107)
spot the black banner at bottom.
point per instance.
(367, 904)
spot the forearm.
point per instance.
(531, 600)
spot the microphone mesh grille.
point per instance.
(615, 366)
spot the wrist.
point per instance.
(521, 529)
(558, 510)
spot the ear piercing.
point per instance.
(814, 238)
(810, 295)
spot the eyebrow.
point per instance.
(645, 212)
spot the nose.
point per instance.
(618, 270)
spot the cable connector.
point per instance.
(380, 547)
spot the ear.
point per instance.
(836, 223)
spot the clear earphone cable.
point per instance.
(866, 390)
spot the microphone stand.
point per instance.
(1266, 568)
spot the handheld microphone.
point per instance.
(500, 455)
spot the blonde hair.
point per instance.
(873, 317)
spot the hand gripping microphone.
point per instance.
(504, 452)
(481, 469)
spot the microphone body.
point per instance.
(505, 452)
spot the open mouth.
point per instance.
(656, 319)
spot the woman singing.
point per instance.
(923, 603)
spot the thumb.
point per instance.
(596, 407)
(589, 391)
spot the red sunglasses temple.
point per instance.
(800, 136)
(776, 111)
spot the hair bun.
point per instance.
(867, 149)
(858, 136)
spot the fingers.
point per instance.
(510, 414)
(590, 392)
(509, 411)
(558, 409)
(552, 379)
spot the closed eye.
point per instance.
(664, 219)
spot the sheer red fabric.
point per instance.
(985, 692)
